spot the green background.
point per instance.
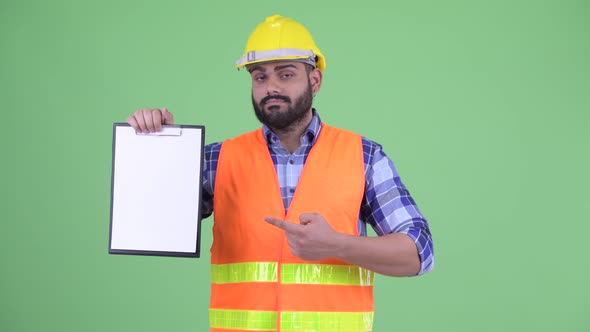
(482, 105)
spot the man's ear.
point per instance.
(315, 78)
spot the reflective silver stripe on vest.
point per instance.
(298, 321)
(313, 274)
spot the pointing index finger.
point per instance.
(282, 224)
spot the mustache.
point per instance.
(267, 98)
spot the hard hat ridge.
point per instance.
(280, 38)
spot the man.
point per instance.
(292, 201)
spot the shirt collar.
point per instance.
(309, 136)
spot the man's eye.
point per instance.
(259, 78)
(287, 75)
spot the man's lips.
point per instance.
(274, 100)
(271, 102)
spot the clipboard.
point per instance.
(156, 191)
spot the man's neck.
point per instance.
(291, 137)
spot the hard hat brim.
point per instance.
(283, 54)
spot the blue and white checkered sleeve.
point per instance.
(388, 206)
(211, 156)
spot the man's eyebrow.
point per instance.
(277, 68)
(281, 67)
(255, 67)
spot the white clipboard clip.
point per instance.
(166, 131)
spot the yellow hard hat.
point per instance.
(280, 38)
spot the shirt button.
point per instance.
(291, 161)
(292, 190)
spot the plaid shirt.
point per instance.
(387, 205)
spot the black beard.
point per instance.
(283, 121)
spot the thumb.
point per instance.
(167, 117)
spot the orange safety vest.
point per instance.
(257, 284)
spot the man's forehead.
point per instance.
(274, 65)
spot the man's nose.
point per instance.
(273, 87)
